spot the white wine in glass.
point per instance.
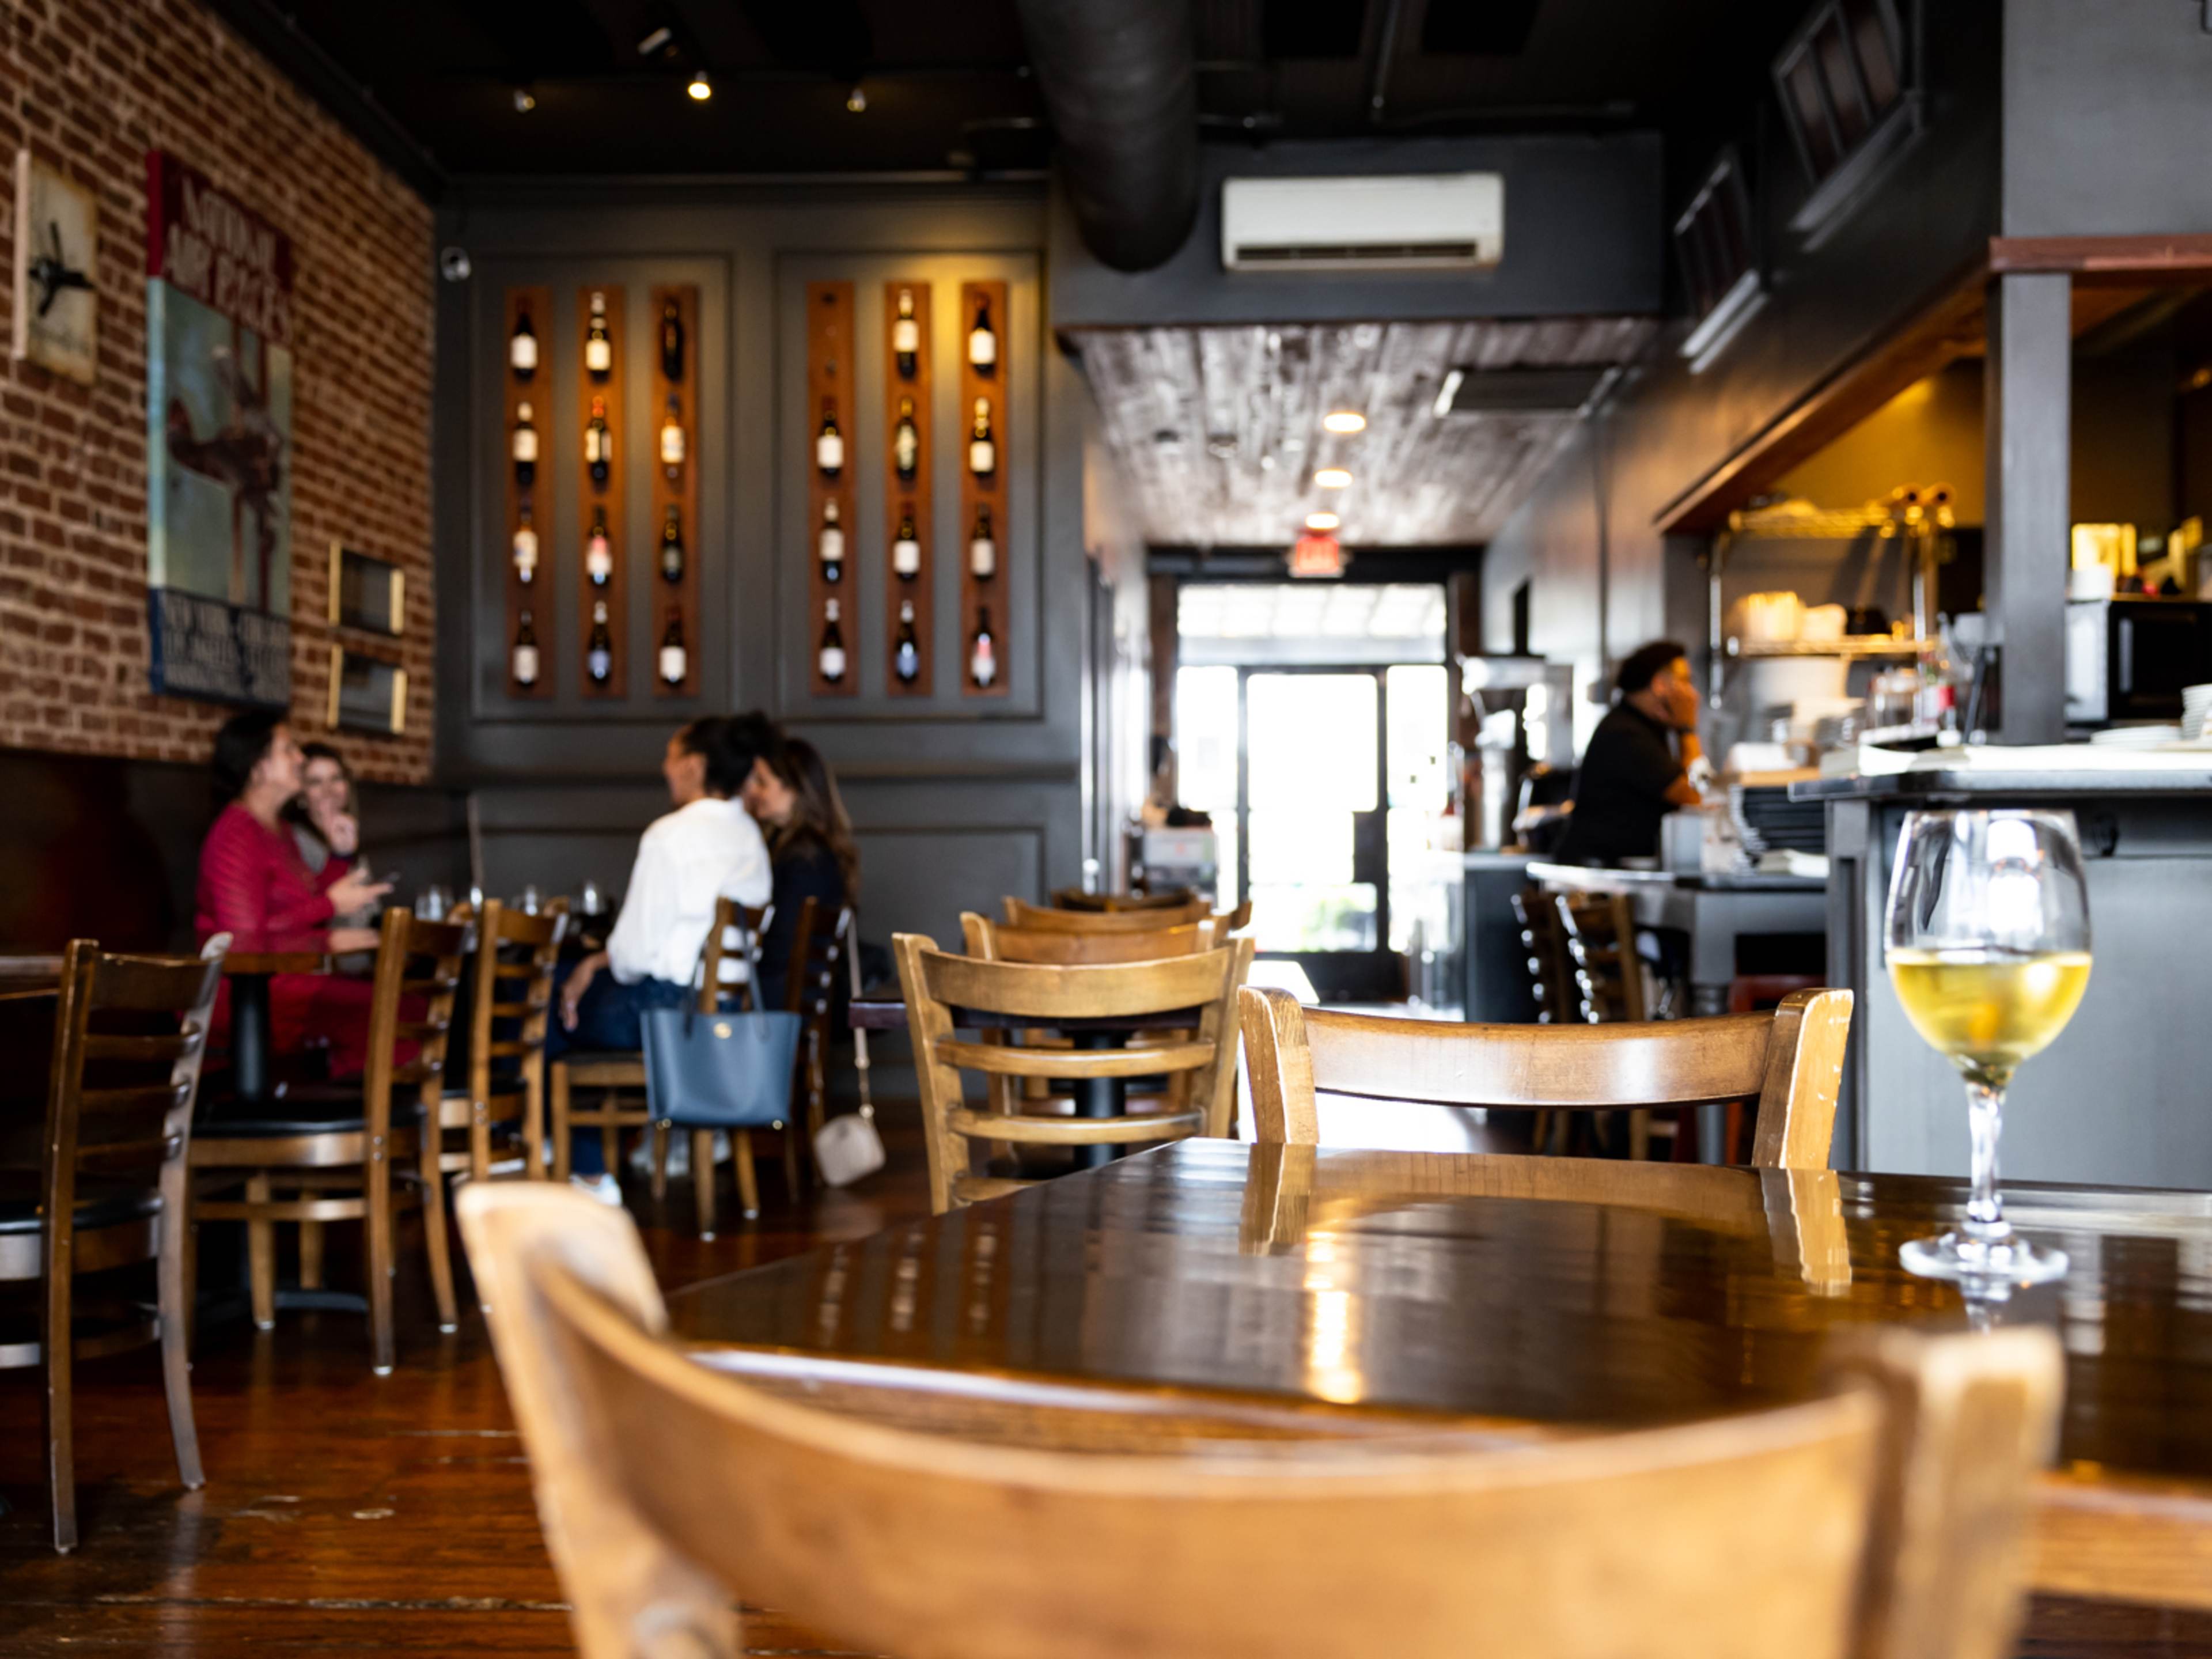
(1989, 950)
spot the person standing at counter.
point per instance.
(1636, 768)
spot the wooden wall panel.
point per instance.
(905, 494)
(984, 385)
(534, 596)
(677, 490)
(829, 389)
(610, 496)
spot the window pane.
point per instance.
(1314, 918)
(1876, 52)
(1206, 762)
(1810, 112)
(1312, 738)
(1419, 772)
(1835, 53)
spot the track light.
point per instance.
(700, 87)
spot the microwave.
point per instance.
(2129, 656)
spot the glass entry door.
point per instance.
(1315, 778)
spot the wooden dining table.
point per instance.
(1556, 1295)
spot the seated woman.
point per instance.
(811, 840)
(254, 885)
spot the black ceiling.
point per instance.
(946, 82)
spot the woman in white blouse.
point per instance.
(707, 849)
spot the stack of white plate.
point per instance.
(2195, 704)
(2137, 737)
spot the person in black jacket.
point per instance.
(810, 851)
(1636, 768)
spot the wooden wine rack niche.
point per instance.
(534, 390)
(908, 495)
(829, 393)
(675, 488)
(601, 500)
(983, 598)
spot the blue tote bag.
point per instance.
(722, 1071)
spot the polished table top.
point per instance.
(1552, 1290)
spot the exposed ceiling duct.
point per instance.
(1119, 82)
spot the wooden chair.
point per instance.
(344, 1156)
(936, 983)
(1021, 914)
(1884, 1517)
(1074, 898)
(811, 981)
(1001, 942)
(732, 917)
(511, 980)
(1790, 1061)
(1551, 966)
(1606, 984)
(128, 1034)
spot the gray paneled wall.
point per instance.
(957, 800)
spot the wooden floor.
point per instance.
(349, 1513)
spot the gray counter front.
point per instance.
(2124, 1095)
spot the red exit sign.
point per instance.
(1316, 555)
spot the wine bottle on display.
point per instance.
(829, 443)
(598, 349)
(982, 340)
(674, 662)
(906, 650)
(831, 543)
(598, 443)
(906, 441)
(599, 550)
(599, 648)
(526, 653)
(671, 439)
(526, 548)
(672, 341)
(983, 545)
(671, 545)
(832, 655)
(906, 547)
(523, 447)
(982, 447)
(982, 649)
(906, 335)
(522, 347)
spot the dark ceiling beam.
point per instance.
(278, 36)
(1120, 87)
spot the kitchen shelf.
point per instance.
(1851, 645)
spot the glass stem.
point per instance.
(1985, 1221)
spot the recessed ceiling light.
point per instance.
(1332, 478)
(1322, 521)
(700, 87)
(525, 100)
(856, 100)
(1345, 420)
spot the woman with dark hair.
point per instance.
(323, 822)
(254, 885)
(810, 841)
(705, 849)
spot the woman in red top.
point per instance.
(255, 886)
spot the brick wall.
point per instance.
(91, 86)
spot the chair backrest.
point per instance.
(130, 1034)
(997, 942)
(1790, 1061)
(1884, 1518)
(1074, 898)
(1601, 935)
(1021, 914)
(1544, 948)
(411, 1012)
(747, 923)
(517, 956)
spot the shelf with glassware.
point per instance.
(833, 546)
(909, 465)
(527, 413)
(601, 577)
(676, 458)
(984, 453)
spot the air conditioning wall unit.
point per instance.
(1415, 222)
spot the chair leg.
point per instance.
(561, 1131)
(311, 1255)
(791, 1142)
(610, 1136)
(379, 1225)
(741, 1154)
(533, 1123)
(434, 1230)
(702, 1179)
(261, 1256)
(657, 1134)
(59, 1412)
(480, 1142)
(1639, 1135)
(174, 1293)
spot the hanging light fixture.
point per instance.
(699, 87)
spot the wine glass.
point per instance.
(1989, 950)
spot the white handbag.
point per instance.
(847, 1148)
